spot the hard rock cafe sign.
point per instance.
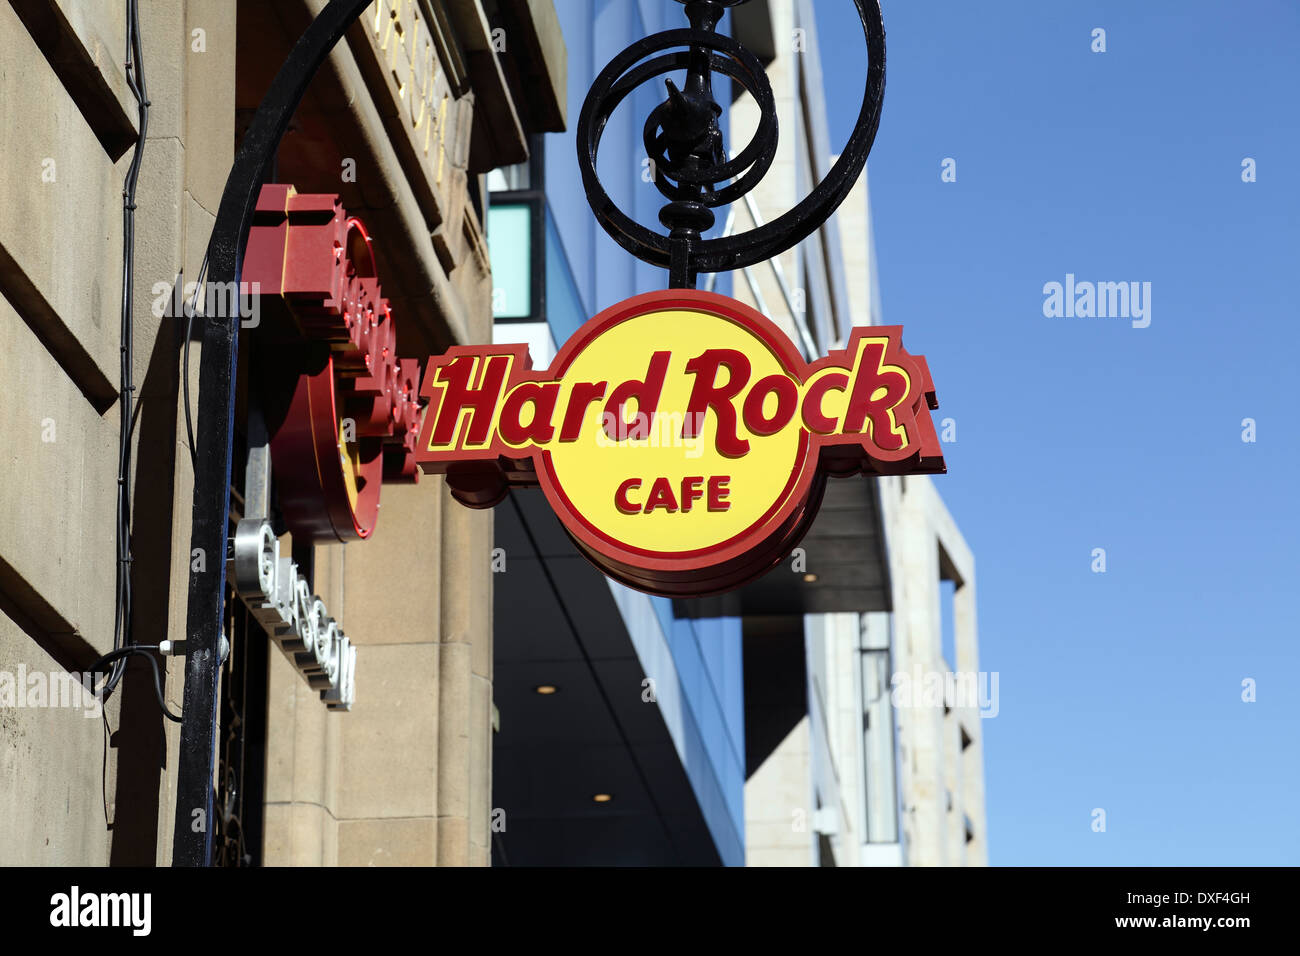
(342, 411)
(679, 436)
(346, 419)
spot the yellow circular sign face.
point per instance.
(700, 510)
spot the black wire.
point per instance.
(122, 616)
(145, 651)
(103, 773)
(123, 637)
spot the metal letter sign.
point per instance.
(680, 437)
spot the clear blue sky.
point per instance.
(1119, 690)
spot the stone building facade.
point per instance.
(419, 101)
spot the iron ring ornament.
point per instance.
(684, 143)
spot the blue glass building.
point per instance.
(621, 724)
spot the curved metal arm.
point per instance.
(192, 842)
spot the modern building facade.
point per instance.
(845, 764)
(622, 721)
(838, 768)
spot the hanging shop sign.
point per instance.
(342, 411)
(346, 418)
(680, 437)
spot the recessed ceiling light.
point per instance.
(546, 689)
(603, 797)
(809, 578)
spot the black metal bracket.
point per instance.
(192, 837)
(685, 145)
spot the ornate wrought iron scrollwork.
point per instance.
(685, 145)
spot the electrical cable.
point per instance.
(122, 610)
(145, 651)
(128, 411)
(127, 407)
